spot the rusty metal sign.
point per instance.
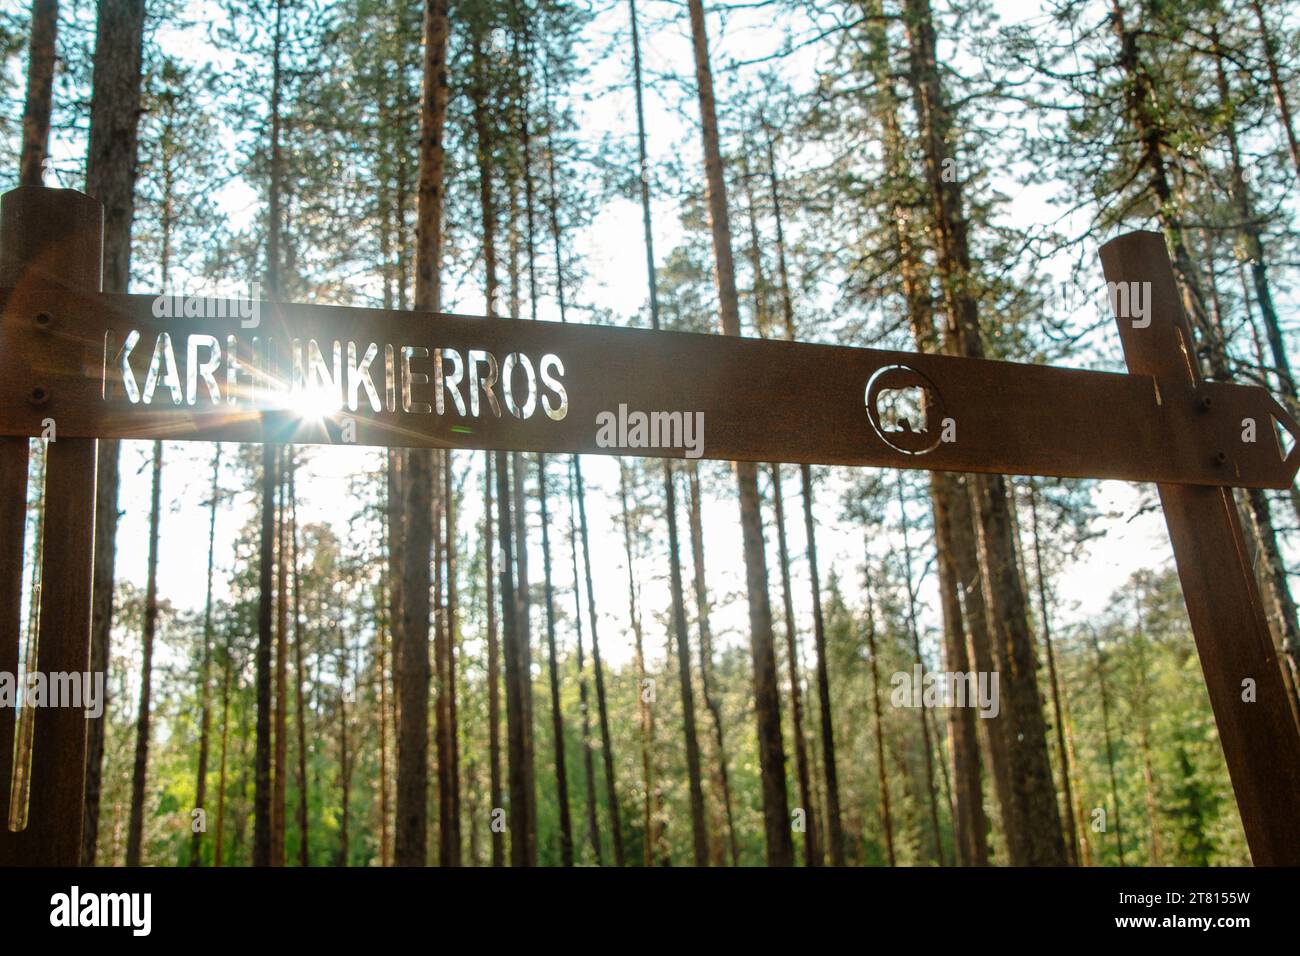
(174, 368)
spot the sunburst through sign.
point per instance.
(104, 365)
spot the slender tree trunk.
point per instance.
(723, 776)
(385, 834)
(40, 87)
(411, 837)
(645, 714)
(1250, 232)
(135, 829)
(518, 524)
(523, 617)
(1058, 719)
(835, 833)
(442, 714)
(1275, 613)
(345, 756)
(557, 715)
(412, 638)
(886, 818)
(969, 820)
(1110, 750)
(811, 844)
(300, 710)
(219, 841)
(1144, 734)
(699, 830)
(449, 678)
(1275, 82)
(996, 730)
(320, 614)
(524, 590)
(1036, 836)
(518, 679)
(588, 760)
(493, 666)
(835, 830)
(767, 701)
(516, 732)
(915, 637)
(1275, 581)
(818, 781)
(522, 584)
(1270, 568)
(388, 225)
(262, 756)
(392, 518)
(280, 770)
(1156, 153)
(516, 744)
(471, 788)
(394, 459)
(241, 786)
(431, 188)
(807, 804)
(566, 826)
(607, 748)
(395, 517)
(1081, 821)
(940, 741)
(205, 668)
(275, 218)
(263, 823)
(964, 609)
(110, 178)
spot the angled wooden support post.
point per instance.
(49, 238)
(1261, 743)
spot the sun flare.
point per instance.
(316, 403)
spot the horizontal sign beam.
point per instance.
(181, 368)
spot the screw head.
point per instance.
(38, 395)
(42, 320)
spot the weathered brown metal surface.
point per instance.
(52, 237)
(1261, 743)
(761, 400)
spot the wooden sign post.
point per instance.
(183, 368)
(1242, 673)
(49, 239)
